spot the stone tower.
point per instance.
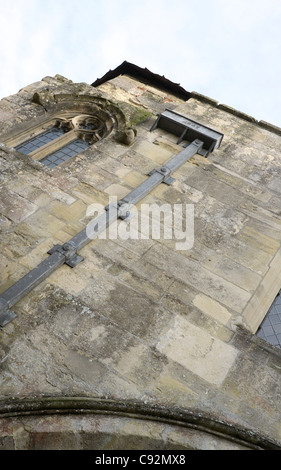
(129, 339)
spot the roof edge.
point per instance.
(145, 76)
(149, 78)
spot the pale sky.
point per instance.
(228, 50)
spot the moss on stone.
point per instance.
(134, 115)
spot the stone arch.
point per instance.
(71, 112)
(108, 111)
(74, 423)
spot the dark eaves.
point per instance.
(145, 76)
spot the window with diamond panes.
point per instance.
(270, 329)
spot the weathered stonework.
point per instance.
(157, 345)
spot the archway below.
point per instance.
(94, 424)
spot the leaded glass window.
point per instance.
(63, 138)
(270, 329)
(40, 140)
(64, 153)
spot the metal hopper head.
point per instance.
(188, 130)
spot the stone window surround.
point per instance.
(72, 123)
(72, 107)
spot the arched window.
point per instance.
(69, 124)
(62, 138)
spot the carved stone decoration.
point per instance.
(43, 98)
(88, 127)
(87, 118)
(86, 112)
(126, 137)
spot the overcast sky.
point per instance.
(226, 49)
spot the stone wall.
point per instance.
(138, 322)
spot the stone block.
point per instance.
(133, 178)
(84, 368)
(40, 225)
(264, 295)
(15, 207)
(61, 237)
(174, 390)
(98, 178)
(144, 286)
(73, 227)
(38, 254)
(275, 184)
(234, 248)
(212, 308)
(89, 195)
(13, 245)
(67, 278)
(156, 153)
(229, 269)
(136, 162)
(259, 240)
(259, 385)
(117, 190)
(30, 192)
(68, 213)
(192, 273)
(197, 351)
(9, 269)
(4, 223)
